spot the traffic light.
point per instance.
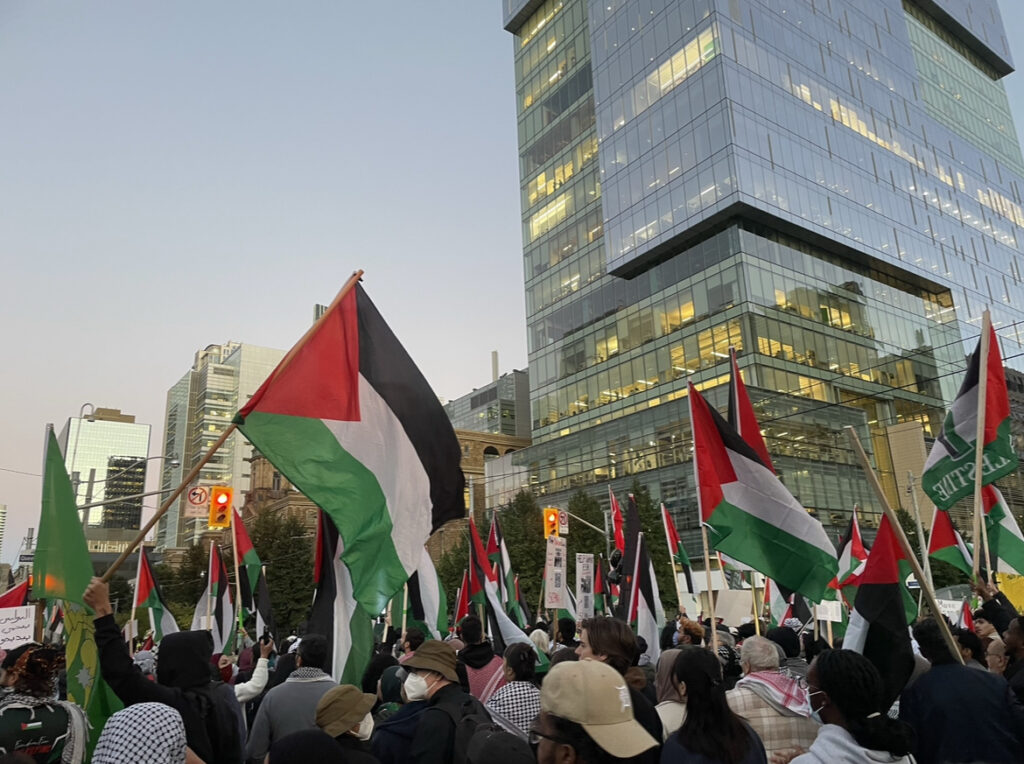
(220, 506)
(550, 522)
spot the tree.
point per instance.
(654, 536)
(943, 574)
(451, 566)
(286, 549)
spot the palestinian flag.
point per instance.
(853, 554)
(949, 471)
(426, 606)
(249, 565)
(62, 571)
(335, 613)
(602, 597)
(676, 550)
(214, 611)
(750, 514)
(632, 533)
(351, 422)
(16, 596)
(497, 553)
(521, 600)
(647, 614)
(741, 414)
(462, 599)
(779, 607)
(1004, 537)
(946, 544)
(878, 622)
(616, 510)
(264, 616)
(147, 595)
(483, 590)
(966, 620)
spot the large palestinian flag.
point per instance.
(741, 413)
(249, 564)
(335, 613)
(749, 514)
(214, 611)
(946, 544)
(147, 595)
(949, 471)
(483, 590)
(1004, 537)
(351, 422)
(497, 553)
(878, 623)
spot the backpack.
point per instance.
(468, 716)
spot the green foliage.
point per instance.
(451, 566)
(286, 549)
(654, 536)
(943, 574)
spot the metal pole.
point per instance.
(88, 497)
(923, 543)
(607, 538)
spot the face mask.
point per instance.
(365, 728)
(415, 687)
(817, 716)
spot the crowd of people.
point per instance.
(565, 693)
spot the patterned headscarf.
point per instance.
(149, 732)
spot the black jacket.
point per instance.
(477, 656)
(999, 612)
(393, 737)
(961, 714)
(647, 715)
(183, 683)
(434, 741)
(356, 751)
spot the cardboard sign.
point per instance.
(17, 626)
(950, 608)
(584, 586)
(830, 611)
(732, 606)
(554, 576)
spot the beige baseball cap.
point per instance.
(596, 697)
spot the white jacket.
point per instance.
(834, 745)
(249, 690)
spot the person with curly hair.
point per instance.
(32, 721)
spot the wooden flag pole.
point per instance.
(901, 537)
(980, 532)
(753, 593)
(349, 285)
(828, 632)
(209, 587)
(238, 581)
(711, 593)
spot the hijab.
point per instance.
(149, 732)
(663, 684)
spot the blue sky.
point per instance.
(180, 174)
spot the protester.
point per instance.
(432, 677)
(671, 707)
(246, 691)
(493, 746)
(32, 721)
(389, 693)
(565, 636)
(690, 633)
(959, 714)
(344, 714)
(9, 659)
(304, 747)
(484, 669)
(1013, 638)
(410, 643)
(214, 727)
(393, 734)
(711, 733)
(996, 608)
(846, 692)
(375, 670)
(291, 706)
(774, 704)
(540, 640)
(586, 717)
(732, 668)
(519, 700)
(789, 641)
(995, 656)
(970, 648)
(669, 636)
(146, 732)
(611, 641)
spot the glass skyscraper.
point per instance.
(831, 187)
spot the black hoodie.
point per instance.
(477, 656)
(183, 683)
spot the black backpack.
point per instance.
(469, 715)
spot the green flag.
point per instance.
(62, 570)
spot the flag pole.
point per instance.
(980, 532)
(349, 285)
(901, 537)
(209, 588)
(405, 607)
(135, 596)
(238, 581)
(671, 557)
(753, 594)
(711, 597)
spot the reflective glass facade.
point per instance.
(795, 178)
(501, 407)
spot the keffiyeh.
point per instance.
(146, 732)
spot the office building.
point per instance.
(501, 407)
(833, 188)
(106, 454)
(200, 406)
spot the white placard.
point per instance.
(584, 586)
(554, 577)
(830, 610)
(733, 605)
(17, 626)
(950, 608)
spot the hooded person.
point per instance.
(146, 732)
(392, 736)
(671, 705)
(344, 714)
(389, 693)
(313, 745)
(32, 721)
(485, 670)
(214, 727)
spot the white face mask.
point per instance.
(415, 687)
(365, 728)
